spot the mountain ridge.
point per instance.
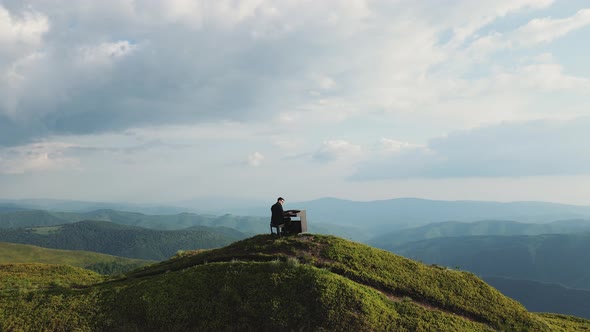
(481, 227)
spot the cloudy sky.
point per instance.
(160, 101)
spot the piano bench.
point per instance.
(279, 228)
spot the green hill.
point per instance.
(264, 283)
(100, 263)
(120, 240)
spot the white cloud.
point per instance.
(14, 81)
(544, 30)
(550, 77)
(539, 76)
(222, 131)
(36, 157)
(182, 85)
(337, 150)
(28, 29)
(467, 17)
(200, 13)
(288, 144)
(261, 19)
(106, 52)
(391, 145)
(536, 31)
(21, 44)
(539, 148)
(482, 47)
(245, 61)
(255, 159)
(324, 82)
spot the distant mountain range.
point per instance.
(355, 220)
(28, 218)
(390, 240)
(406, 212)
(374, 218)
(33, 218)
(208, 205)
(249, 225)
(398, 212)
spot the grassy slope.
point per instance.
(22, 253)
(268, 296)
(43, 297)
(399, 278)
(25, 277)
(306, 282)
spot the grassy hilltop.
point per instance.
(306, 282)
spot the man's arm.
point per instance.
(290, 213)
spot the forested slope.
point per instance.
(119, 240)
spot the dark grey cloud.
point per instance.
(535, 148)
(192, 61)
(170, 73)
(12, 133)
(183, 62)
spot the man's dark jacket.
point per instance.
(278, 215)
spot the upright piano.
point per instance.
(298, 220)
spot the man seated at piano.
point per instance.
(280, 216)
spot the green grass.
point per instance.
(445, 290)
(565, 323)
(102, 263)
(267, 296)
(32, 277)
(45, 230)
(264, 283)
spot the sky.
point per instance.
(160, 101)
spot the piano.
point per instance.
(298, 220)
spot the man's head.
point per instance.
(281, 200)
